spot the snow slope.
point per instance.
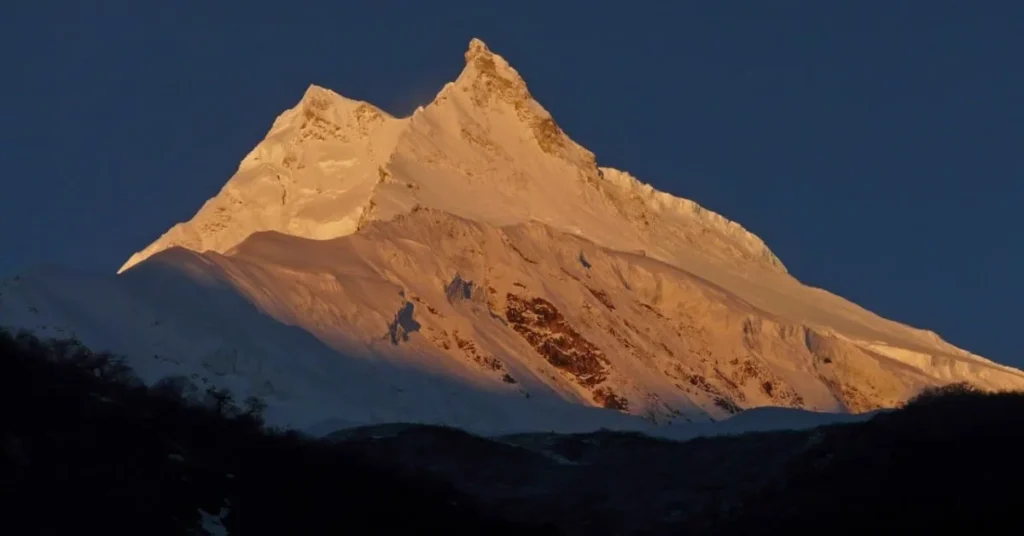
(434, 318)
(471, 265)
(177, 316)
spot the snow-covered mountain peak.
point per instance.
(489, 85)
(334, 114)
(323, 115)
(489, 75)
(311, 176)
(472, 265)
(318, 100)
(484, 149)
(477, 48)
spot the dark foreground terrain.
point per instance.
(86, 448)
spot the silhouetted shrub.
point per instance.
(953, 391)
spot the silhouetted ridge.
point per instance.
(88, 449)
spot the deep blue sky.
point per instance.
(877, 148)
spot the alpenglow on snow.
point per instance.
(472, 265)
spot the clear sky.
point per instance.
(877, 147)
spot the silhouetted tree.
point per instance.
(254, 406)
(171, 386)
(221, 401)
(957, 389)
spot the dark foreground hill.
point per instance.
(86, 448)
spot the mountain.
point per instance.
(472, 265)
